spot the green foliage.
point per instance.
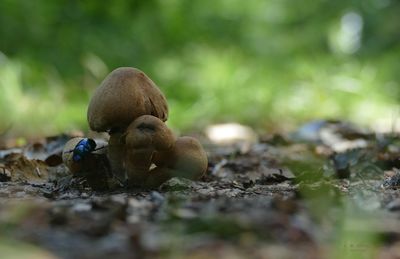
(257, 62)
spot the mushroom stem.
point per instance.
(158, 176)
(138, 162)
(116, 154)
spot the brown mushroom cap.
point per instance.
(149, 132)
(125, 94)
(144, 136)
(187, 158)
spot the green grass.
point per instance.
(261, 64)
(203, 87)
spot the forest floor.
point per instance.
(328, 190)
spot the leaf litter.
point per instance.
(317, 192)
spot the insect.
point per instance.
(83, 148)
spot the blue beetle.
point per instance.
(83, 148)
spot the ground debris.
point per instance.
(18, 168)
(287, 195)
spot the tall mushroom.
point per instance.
(124, 95)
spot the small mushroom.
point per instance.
(124, 95)
(83, 160)
(186, 158)
(68, 154)
(144, 137)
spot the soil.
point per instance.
(329, 189)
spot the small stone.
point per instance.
(392, 182)
(157, 197)
(176, 184)
(84, 195)
(394, 205)
(82, 207)
(184, 213)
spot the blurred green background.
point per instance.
(262, 63)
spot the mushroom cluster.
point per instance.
(142, 150)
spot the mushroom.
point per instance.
(186, 158)
(68, 154)
(83, 160)
(143, 138)
(124, 95)
(149, 141)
